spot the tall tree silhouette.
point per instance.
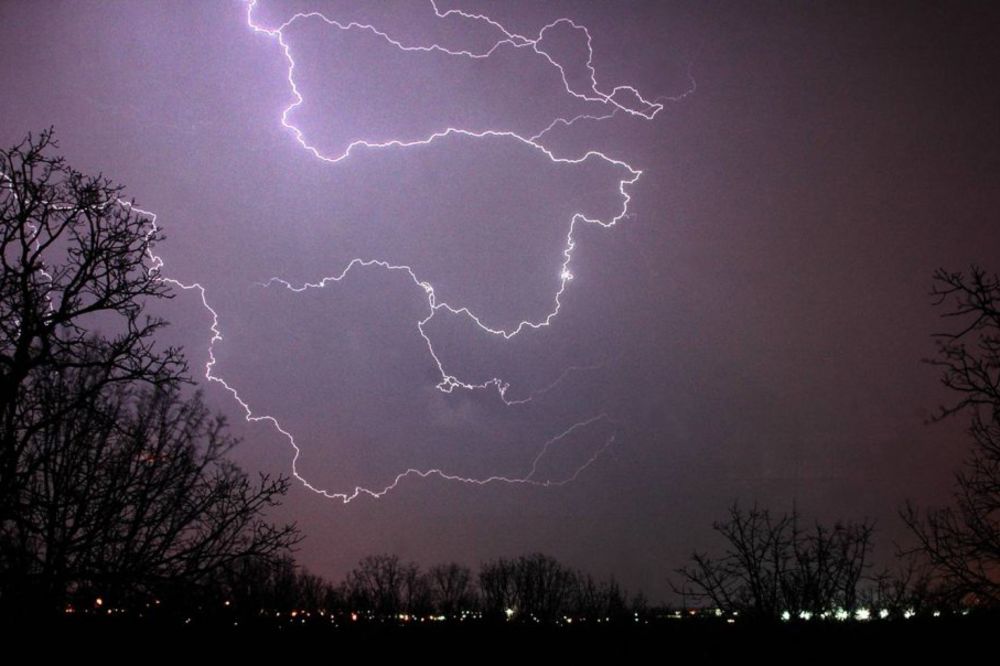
(111, 480)
(72, 255)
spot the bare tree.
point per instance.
(418, 595)
(772, 565)
(498, 587)
(599, 599)
(110, 479)
(452, 588)
(256, 584)
(72, 255)
(380, 584)
(908, 587)
(532, 586)
(134, 494)
(962, 542)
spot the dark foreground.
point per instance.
(945, 639)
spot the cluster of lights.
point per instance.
(300, 616)
(839, 614)
(862, 614)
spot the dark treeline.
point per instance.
(530, 588)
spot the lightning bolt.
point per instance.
(514, 40)
(448, 381)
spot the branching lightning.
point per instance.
(449, 381)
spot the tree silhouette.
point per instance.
(111, 480)
(254, 585)
(534, 586)
(600, 599)
(962, 542)
(772, 565)
(452, 588)
(72, 255)
(381, 584)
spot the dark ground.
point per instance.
(945, 639)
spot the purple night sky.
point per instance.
(753, 328)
